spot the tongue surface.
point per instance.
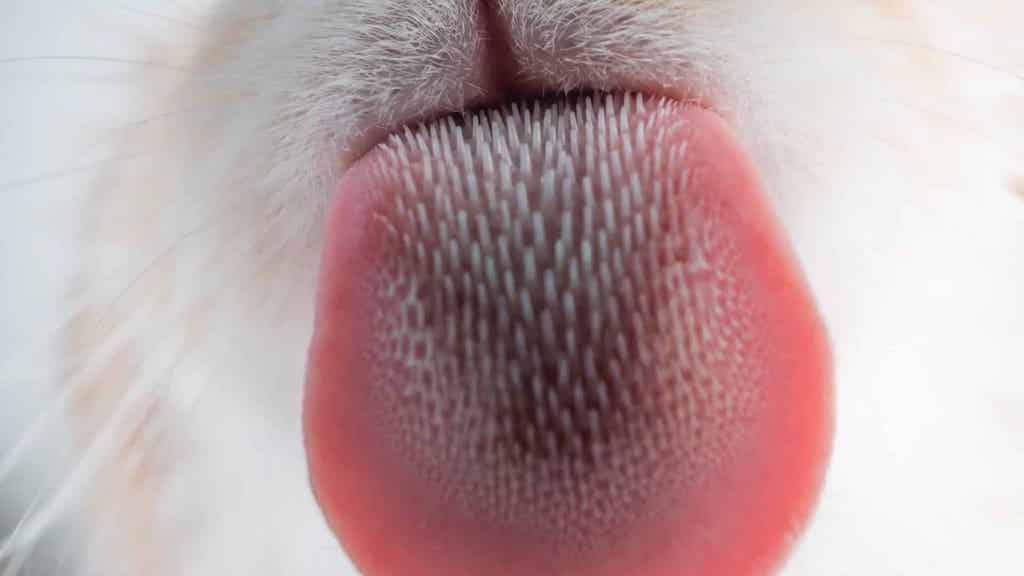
(566, 338)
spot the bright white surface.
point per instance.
(925, 296)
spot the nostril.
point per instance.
(565, 338)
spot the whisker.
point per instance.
(943, 116)
(100, 449)
(97, 359)
(94, 60)
(163, 253)
(99, 356)
(108, 127)
(18, 558)
(158, 16)
(69, 172)
(967, 58)
(212, 107)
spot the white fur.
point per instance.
(887, 137)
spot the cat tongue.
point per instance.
(566, 338)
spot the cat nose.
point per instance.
(564, 336)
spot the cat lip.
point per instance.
(501, 74)
(523, 92)
(504, 70)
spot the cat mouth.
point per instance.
(564, 336)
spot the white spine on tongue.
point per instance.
(555, 349)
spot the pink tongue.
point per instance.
(564, 340)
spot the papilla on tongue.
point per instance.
(564, 338)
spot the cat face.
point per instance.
(887, 153)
